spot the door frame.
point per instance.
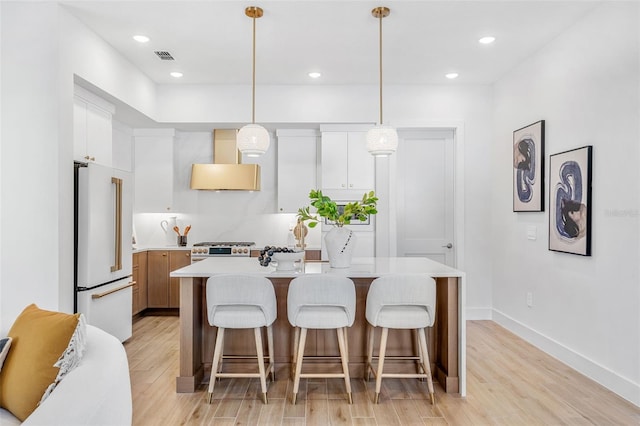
(386, 178)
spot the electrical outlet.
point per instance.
(532, 232)
(529, 299)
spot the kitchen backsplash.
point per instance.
(264, 229)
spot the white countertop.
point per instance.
(362, 267)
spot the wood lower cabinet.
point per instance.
(163, 291)
(158, 279)
(139, 277)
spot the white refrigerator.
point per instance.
(103, 205)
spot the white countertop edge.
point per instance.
(360, 268)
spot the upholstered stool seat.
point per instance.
(241, 301)
(400, 302)
(321, 302)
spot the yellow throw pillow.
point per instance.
(39, 339)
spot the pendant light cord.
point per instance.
(380, 65)
(253, 92)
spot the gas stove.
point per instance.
(221, 248)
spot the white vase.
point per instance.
(340, 242)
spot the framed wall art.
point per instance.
(528, 168)
(570, 201)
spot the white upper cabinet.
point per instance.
(92, 128)
(153, 170)
(346, 163)
(297, 167)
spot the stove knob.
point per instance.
(234, 251)
(245, 251)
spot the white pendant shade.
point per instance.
(253, 140)
(382, 141)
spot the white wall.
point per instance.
(42, 46)
(30, 161)
(586, 310)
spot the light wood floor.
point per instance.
(509, 382)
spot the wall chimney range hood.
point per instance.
(226, 172)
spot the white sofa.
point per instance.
(97, 392)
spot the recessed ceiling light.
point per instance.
(141, 38)
(315, 74)
(451, 75)
(176, 74)
(487, 40)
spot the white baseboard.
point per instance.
(602, 375)
(478, 313)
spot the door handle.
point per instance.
(448, 246)
(118, 226)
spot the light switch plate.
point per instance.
(532, 232)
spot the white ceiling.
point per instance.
(211, 40)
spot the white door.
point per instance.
(425, 215)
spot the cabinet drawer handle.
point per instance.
(187, 254)
(164, 254)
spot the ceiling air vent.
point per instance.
(165, 56)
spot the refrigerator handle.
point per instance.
(106, 293)
(118, 228)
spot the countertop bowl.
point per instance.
(286, 261)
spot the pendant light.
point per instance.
(253, 139)
(382, 140)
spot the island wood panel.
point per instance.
(446, 329)
(177, 260)
(191, 334)
(442, 339)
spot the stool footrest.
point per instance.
(321, 375)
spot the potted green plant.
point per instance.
(339, 241)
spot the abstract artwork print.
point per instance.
(528, 168)
(570, 201)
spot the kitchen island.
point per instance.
(447, 338)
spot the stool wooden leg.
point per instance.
(344, 359)
(294, 352)
(368, 366)
(383, 350)
(299, 356)
(219, 367)
(416, 340)
(426, 363)
(217, 354)
(272, 360)
(257, 332)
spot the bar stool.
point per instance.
(400, 302)
(241, 301)
(321, 301)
